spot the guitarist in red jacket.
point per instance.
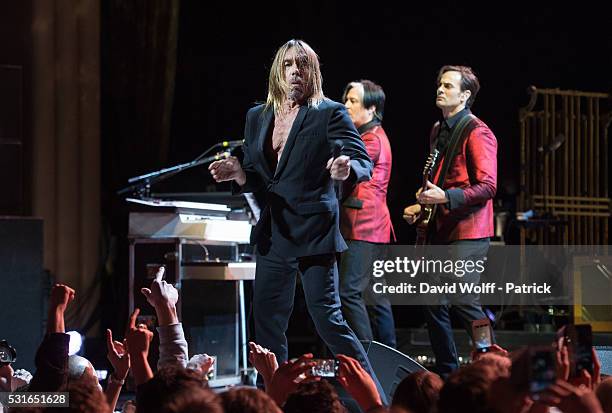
(463, 195)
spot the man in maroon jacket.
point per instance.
(365, 222)
(464, 198)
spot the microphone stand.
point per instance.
(142, 184)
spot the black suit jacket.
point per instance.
(301, 217)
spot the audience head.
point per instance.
(85, 396)
(418, 392)
(467, 389)
(197, 400)
(168, 385)
(604, 394)
(314, 397)
(246, 400)
(79, 368)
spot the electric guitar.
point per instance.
(427, 211)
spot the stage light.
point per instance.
(102, 374)
(75, 343)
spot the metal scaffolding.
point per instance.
(564, 165)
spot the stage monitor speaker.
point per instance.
(604, 353)
(23, 284)
(593, 292)
(390, 366)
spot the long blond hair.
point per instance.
(277, 84)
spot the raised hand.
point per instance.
(61, 296)
(161, 293)
(562, 363)
(596, 370)
(433, 195)
(339, 168)
(202, 363)
(585, 379)
(138, 337)
(227, 169)
(571, 399)
(263, 360)
(287, 377)
(163, 297)
(118, 356)
(493, 349)
(358, 383)
(137, 341)
(412, 213)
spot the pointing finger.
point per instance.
(109, 339)
(133, 317)
(160, 274)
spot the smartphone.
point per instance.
(325, 368)
(579, 341)
(481, 335)
(581, 356)
(541, 369)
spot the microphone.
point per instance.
(231, 144)
(337, 184)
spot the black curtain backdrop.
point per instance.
(225, 52)
(138, 47)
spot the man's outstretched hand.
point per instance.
(339, 168)
(227, 169)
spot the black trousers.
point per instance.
(466, 306)
(273, 297)
(370, 317)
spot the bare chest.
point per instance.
(280, 133)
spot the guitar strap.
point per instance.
(464, 125)
(463, 129)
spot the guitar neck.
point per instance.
(427, 211)
(424, 185)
